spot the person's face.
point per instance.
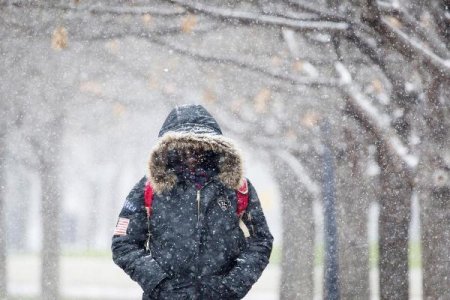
(192, 159)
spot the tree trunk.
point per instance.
(435, 216)
(298, 237)
(395, 216)
(434, 193)
(3, 273)
(50, 209)
(353, 193)
(353, 246)
(50, 226)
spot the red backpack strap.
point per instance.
(148, 197)
(242, 197)
(241, 193)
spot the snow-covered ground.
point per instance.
(96, 277)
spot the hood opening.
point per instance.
(162, 175)
(191, 128)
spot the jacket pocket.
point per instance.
(175, 289)
(174, 295)
(212, 288)
(185, 292)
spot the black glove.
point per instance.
(212, 288)
(162, 286)
(172, 286)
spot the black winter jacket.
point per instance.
(196, 248)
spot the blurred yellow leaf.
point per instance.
(169, 88)
(298, 66)
(118, 109)
(59, 38)
(236, 104)
(188, 23)
(147, 19)
(377, 86)
(394, 22)
(209, 96)
(91, 87)
(426, 20)
(112, 46)
(291, 135)
(276, 61)
(261, 99)
(310, 119)
(153, 83)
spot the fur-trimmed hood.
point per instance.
(191, 127)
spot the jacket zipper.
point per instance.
(199, 238)
(198, 207)
(147, 242)
(198, 277)
(199, 201)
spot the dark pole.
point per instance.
(331, 279)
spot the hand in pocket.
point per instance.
(213, 288)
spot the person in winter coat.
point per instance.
(196, 248)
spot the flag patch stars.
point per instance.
(122, 226)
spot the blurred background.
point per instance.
(341, 109)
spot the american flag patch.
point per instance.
(121, 227)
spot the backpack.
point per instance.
(241, 193)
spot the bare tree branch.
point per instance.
(371, 11)
(404, 44)
(401, 97)
(377, 123)
(296, 80)
(409, 47)
(100, 9)
(441, 12)
(148, 34)
(427, 35)
(249, 17)
(434, 112)
(275, 146)
(321, 12)
(310, 185)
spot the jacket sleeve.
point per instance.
(128, 242)
(254, 258)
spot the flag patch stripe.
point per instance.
(122, 226)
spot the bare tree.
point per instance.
(354, 192)
(51, 199)
(434, 193)
(410, 97)
(47, 145)
(298, 192)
